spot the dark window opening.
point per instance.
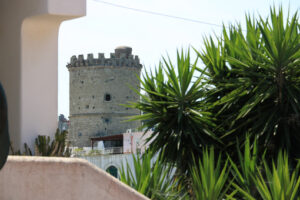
(112, 170)
(82, 82)
(93, 107)
(93, 96)
(107, 97)
(106, 120)
(87, 106)
(79, 134)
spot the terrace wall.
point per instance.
(27, 178)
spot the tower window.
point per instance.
(107, 97)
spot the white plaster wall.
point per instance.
(28, 69)
(105, 161)
(27, 178)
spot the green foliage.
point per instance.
(42, 144)
(279, 182)
(248, 91)
(209, 177)
(91, 153)
(245, 169)
(172, 106)
(27, 150)
(150, 177)
(254, 81)
(43, 147)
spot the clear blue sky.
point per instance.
(151, 37)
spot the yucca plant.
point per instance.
(254, 79)
(172, 106)
(244, 170)
(210, 177)
(150, 177)
(279, 182)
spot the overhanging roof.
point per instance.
(107, 138)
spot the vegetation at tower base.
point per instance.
(253, 178)
(253, 82)
(209, 177)
(246, 97)
(150, 177)
(276, 183)
(245, 169)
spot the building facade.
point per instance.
(98, 87)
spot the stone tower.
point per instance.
(97, 88)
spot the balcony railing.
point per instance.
(93, 152)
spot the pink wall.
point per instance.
(27, 178)
(134, 140)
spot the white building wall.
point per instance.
(28, 70)
(105, 161)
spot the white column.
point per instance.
(28, 63)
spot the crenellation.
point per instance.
(101, 56)
(90, 59)
(121, 57)
(73, 60)
(136, 58)
(81, 60)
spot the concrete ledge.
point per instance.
(52, 178)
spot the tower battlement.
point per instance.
(121, 57)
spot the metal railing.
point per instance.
(94, 152)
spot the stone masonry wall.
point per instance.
(97, 88)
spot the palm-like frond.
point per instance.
(255, 79)
(209, 177)
(150, 177)
(172, 106)
(277, 183)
